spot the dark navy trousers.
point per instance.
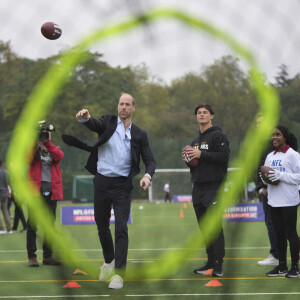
(113, 192)
(31, 232)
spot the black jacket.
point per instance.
(105, 127)
(213, 162)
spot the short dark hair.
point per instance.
(206, 106)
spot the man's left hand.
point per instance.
(145, 183)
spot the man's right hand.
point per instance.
(41, 145)
(84, 114)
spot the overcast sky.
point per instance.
(271, 29)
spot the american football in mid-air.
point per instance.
(51, 31)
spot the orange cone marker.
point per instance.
(214, 283)
(208, 272)
(79, 272)
(181, 215)
(71, 284)
(184, 205)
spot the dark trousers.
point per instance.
(9, 202)
(31, 232)
(167, 197)
(269, 225)
(113, 192)
(216, 249)
(285, 223)
(18, 216)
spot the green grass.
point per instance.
(156, 229)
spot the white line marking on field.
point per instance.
(149, 295)
(158, 249)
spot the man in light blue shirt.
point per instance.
(114, 161)
(114, 157)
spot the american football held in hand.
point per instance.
(51, 31)
(192, 162)
(265, 173)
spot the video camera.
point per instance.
(44, 130)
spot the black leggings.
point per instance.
(284, 220)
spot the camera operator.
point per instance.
(45, 173)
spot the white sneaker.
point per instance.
(269, 261)
(116, 282)
(9, 232)
(2, 232)
(106, 270)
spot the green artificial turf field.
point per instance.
(156, 231)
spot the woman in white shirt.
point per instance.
(284, 198)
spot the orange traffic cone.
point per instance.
(208, 272)
(181, 215)
(79, 272)
(214, 283)
(184, 205)
(72, 284)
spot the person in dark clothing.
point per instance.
(167, 191)
(9, 203)
(4, 180)
(19, 215)
(261, 188)
(211, 147)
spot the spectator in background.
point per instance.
(167, 191)
(261, 188)
(4, 180)
(45, 173)
(9, 203)
(251, 190)
(19, 216)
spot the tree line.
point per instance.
(165, 111)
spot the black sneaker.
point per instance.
(203, 269)
(293, 272)
(278, 271)
(51, 261)
(217, 271)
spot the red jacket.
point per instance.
(35, 171)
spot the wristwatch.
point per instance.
(148, 175)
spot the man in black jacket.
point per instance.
(114, 161)
(211, 148)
